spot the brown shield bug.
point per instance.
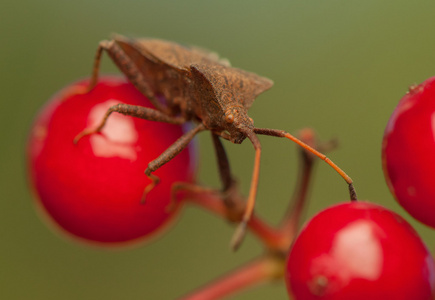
(197, 86)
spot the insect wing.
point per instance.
(231, 83)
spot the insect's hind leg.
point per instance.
(84, 89)
(103, 45)
(128, 67)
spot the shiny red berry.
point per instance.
(408, 152)
(93, 189)
(359, 251)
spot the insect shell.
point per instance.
(196, 84)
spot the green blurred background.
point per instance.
(339, 67)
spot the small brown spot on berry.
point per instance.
(318, 285)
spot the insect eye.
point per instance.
(229, 118)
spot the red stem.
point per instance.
(270, 236)
(291, 220)
(255, 272)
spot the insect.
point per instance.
(190, 84)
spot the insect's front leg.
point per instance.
(169, 154)
(134, 111)
(222, 134)
(233, 202)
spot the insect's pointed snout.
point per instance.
(238, 138)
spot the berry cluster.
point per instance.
(93, 190)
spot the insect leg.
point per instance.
(134, 111)
(233, 205)
(169, 154)
(96, 67)
(281, 133)
(128, 67)
(223, 164)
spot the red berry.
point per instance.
(359, 250)
(408, 152)
(93, 189)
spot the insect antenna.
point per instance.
(250, 204)
(282, 133)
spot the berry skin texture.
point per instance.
(92, 190)
(408, 152)
(359, 250)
